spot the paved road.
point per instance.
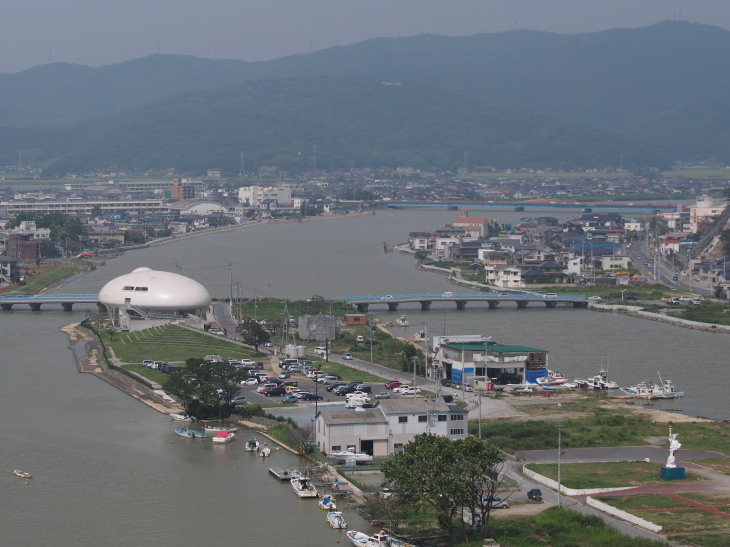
(655, 454)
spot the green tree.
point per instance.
(448, 475)
(252, 333)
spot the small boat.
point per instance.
(183, 418)
(349, 455)
(381, 539)
(402, 321)
(217, 428)
(336, 520)
(599, 381)
(303, 487)
(265, 452)
(252, 445)
(224, 437)
(22, 474)
(327, 503)
(186, 433)
(642, 390)
(553, 378)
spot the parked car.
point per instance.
(364, 388)
(410, 391)
(496, 503)
(304, 361)
(630, 298)
(249, 382)
(147, 363)
(328, 378)
(344, 390)
(266, 386)
(238, 400)
(401, 388)
(347, 356)
(291, 389)
(294, 368)
(535, 494)
(310, 397)
(291, 398)
(277, 391)
(383, 395)
(284, 375)
(360, 339)
(393, 384)
(287, 363)
(372, 342)
(595, 298)
(333, 385)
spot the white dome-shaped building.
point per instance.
(146, 292)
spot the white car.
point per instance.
(400, 388)
(249, 382)
(595, 298)
(387, 297)
(410, 391)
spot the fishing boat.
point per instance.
(553, 378)
(218, 428)
(643, 390)
(183, 417)
(304, 488)
(224, 437)
(336, 520)
(349, 455)
(186, 433)
(252, 445)
(402, 321)
(381, 539)
(327, 503)
(265, 452)
(22, 474)
(599, 381)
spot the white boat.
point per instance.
(252, 445)
(402, 321)
(381, 539)
(183, 418)
(217, 428)
(303, 487)
(22, 474)
(553, 378)
(642, 390)
(599, 381)
(336, 520)
(224, 437)
(190, 433)
(327, 503)
(349, 455)
(265, 452)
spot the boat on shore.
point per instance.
(553, 378)
(349, 455)
(224, 437)
(183, 417)
(218, 428)
(304, 488)
(336, 520)
(327, 503)
(599, 381)
(643, 390)
(380, 539)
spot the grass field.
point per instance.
(603, 474)
(696, 526)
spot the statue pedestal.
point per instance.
(672, 473)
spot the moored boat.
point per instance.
(336, 520)
(304, 488)
(183, 417)
(402, 321)
(380, 539)
(642, 390)
(327, 503)
(218, 428)
(265, 452)
(553, 378)
(22, 474)
(186, 433)
(252, 445)
(224, 437)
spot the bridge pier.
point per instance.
(580, 304)
(34, 306)
(550, 304)
(6, 307)
(521, 304)
(425, 305)
(67, 306)
(363, 308)
(460, 304)
(493, 304)
(392, 306)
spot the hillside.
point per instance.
(663, 85)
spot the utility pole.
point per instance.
(560, 431)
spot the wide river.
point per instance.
(109, 470)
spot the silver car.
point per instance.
(383, 395)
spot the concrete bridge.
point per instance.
(36, 301)
(522, 299)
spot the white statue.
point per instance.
(674, 445)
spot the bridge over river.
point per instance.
(36, 301)
(392, 301)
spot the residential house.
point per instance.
(502, 275)
(474, 226)
(546, 273)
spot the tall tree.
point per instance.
(252, 333)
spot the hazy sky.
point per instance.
(101, 32)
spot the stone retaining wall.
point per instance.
(635, 311)
(623, 515)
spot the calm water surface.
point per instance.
(109, 469)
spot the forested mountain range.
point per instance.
(640, 97)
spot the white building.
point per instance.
(703, 212)
(387, 428)
(501, 275)
(258, 196)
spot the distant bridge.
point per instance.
(549, 300)
(36, 301)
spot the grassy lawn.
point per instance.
(604, 427)
(38, 277)
(692, 525)
(173, 344)
(603, 474)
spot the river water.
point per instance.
(109, 469)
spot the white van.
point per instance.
(321, 351)
(360, 339)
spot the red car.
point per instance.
(393, 384)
